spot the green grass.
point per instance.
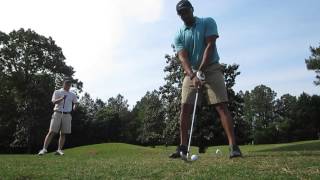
(299, 160)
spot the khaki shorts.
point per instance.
(214, 88)
(61, 123)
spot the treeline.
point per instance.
(32, 66)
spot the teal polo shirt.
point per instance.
(192, 39)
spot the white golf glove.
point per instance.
(200, 75)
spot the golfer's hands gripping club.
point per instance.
(59, 100)
(199, 79)
(62, 98)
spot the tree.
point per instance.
(313, 63)
(106, 126)
(8, 111)
(31, 66)
(285, 109)
(110, 120)
(150, 113)
(170, 95)
(305, 121)
(259, 113)
(83, 130)
(119, 106)
(259, 106)
(89, 105)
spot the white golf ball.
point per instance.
(194, 157)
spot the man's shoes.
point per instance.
(59, 152)
(181, 152)
(42, 152)
(234, 151)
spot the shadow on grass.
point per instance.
(307, 146)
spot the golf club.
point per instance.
(62, 112)
(192, 122)
(201, 77)
(64, 101)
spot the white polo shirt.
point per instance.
(70, 98)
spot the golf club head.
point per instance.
(183, 156)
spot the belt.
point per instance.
(62, 112)
(207, 65)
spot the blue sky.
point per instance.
(119, 46)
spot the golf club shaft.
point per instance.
(193, 117)
(64, 101)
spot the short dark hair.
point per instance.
(67, 81)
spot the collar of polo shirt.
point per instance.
(188, 27)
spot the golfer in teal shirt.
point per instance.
(195, 44)
(192, 40)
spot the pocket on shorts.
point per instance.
(187, 82)
(53, 115)
(212, 68)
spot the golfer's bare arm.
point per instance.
(75, 106)
(210, 44)
(183, 56)
(56, 100)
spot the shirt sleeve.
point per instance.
(75, 99)
(178, 44)
(211, 27)
(54, 96)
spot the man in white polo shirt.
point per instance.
(64, 101)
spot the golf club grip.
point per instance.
(193, 118)
(64, 101)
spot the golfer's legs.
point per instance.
(185, 122)
(188, 95)
(55, 123)
(65, 129)
(226, 121)
(62, 139)
(54, 128)
(217, 95)
(66, 124)
(48, 139)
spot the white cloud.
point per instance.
(89, 32)
(144, 11)
(117, 46)
(293, 80)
